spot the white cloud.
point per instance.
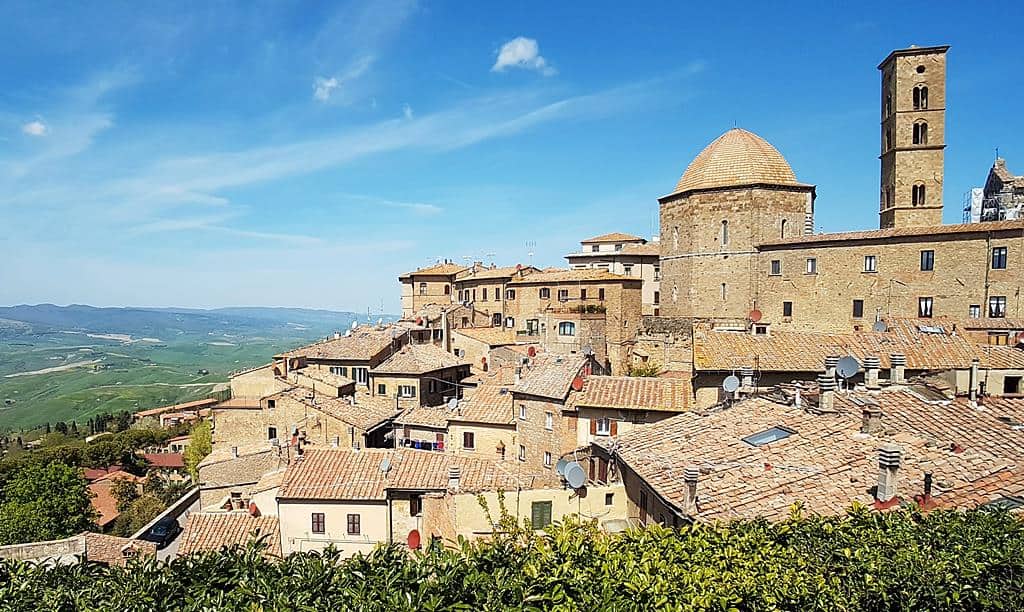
(407, 111)
(322, 88)
(522, 52)
(35, 128)
(417, 208)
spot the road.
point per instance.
(171, 550)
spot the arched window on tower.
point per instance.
(723, 292)
(920, 133)
(675, 238)
(917, 195)
(920, 97)
(725, 233)
(782, 229)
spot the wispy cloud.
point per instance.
(522, 52)
(417, 208)
(34, 128)
(322, 88)
(407, 111)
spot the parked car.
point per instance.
(164, 532)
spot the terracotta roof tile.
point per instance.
(571, 276)
(507, 272)
(165, 460)
(441, 269)
(366, 412)
(612, 237)
(901, 232)
(492, 336)
(360, 344)
(550, 376)
(424, 417)
(634, 393)
(736, 158)
(210, 531)
(489, 403)
(203, 403)
(109, 549)
(418, 359)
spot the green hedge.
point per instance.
(862, 561)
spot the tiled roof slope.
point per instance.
(441, 269)
(343, 474)
(418, 359)
(494, 273)
(213, 530)
(612, 237)
(634, 393)
(196, 405)
(424, 417)
(362, 343)
(366, 412)
(489, 403)
(826, 463)
(550, 376)
(805, 351)
(109, 549)
(571, 276)
(735, 158)
(901, 232)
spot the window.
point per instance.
(768, 436)
(540, 514)
(675, 237)
(566, 328)
(858, 309)
(920, 97)
(627, 269)
(353, 524)
(271, 404)
(776, 267)
(917, 195)
(462, 295)
(999, 338)
(782, 229)
(921, 133)
(997, 306)
(974, 311)
(725, 233)
(888, 138)
(406, 391)
(423, 288)
(643, 506)
(604, 426)
(998, 258)
(484, 296)
(510, 322)
(339, 370)
(618, 247)
(382, 389)
(522, 412)
(870, 263)
(583, 294)
(927, 260)
(360, 375)
(271, 433)
(447, 289)
(549, 420)
(547, 459)
(563, 295)
(657, 272)
(924, 307)
(594, 248)
(600, 294)
(609, 499)
(545, 293)
(724, 292)
(657, 297)
(468, 441)
(510, 294)
(415, 505)
(522, 453)
(432, 386)
(787, 309)
(317, 522)
(496, 319)
(812, 266)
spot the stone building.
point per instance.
(1003, 195)
(419, 374)
(430, 285)
(625, 255)
(484, 288)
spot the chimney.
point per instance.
(830, 365)
(690, 476)
(747, 377)
(890, 457)
(872, 366)
(798, 400)
(454, 476)
(897, 375)
(826, 392)
(975, 364)
(871, 420)
(234, 452)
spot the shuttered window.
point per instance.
(540, 514)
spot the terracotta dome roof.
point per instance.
(737, 157)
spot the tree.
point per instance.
(74, 428)
(199, 446)
(645, 369)
(47, 427)
(125, 491)
(138, 514)
(61, 427)
(44, 502)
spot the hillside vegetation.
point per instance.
(864, 561)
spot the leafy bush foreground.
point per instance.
(902, 560)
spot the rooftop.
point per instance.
(424, 417)
(439, 269)
(196, 405)
(634, 393)
(613, 237)
(737, 158)
(210, 531)
(344, 474)
(900, 232)
(571, 276)
(363, 343)
(550, 376)
(492, 336)
(418, 359)
(362, 410)
(169, 461)
(491, 402)
(482, 273)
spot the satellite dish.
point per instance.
(385, 465)
(731, 384)
(560, 466)
(575, 475)
(380, 321)
(848, 367)
(355, 324)
(879, 326)
(453, 403)
(755, 315)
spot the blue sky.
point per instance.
(303, 154)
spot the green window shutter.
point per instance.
(540, 514)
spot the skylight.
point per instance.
(1008, 502)
(768, 436)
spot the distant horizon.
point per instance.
(212, 308)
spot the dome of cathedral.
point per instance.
(737, 157)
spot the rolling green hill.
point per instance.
(69, 363)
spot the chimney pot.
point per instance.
(234, 452)
(454, 477)
(872, 365)
(974, 381)
(831, 361)
(747, 376)
(690, 476)
(898, 371)
(826, 392)
(890, 458)
(871, 420)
